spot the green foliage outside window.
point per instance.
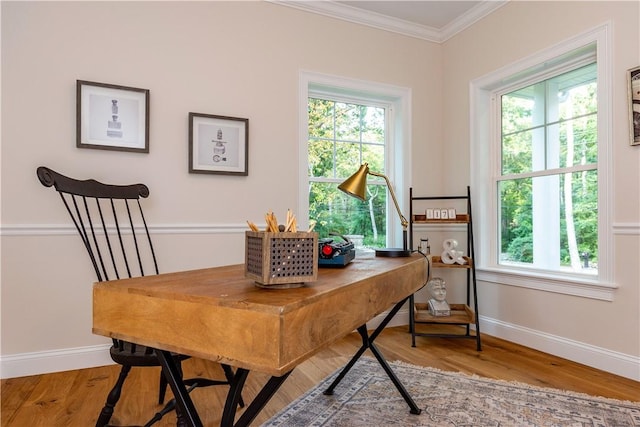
(342, 136)
(543, 141)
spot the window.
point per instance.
(345, 123)
(547, 186)
(540, 163)
(343, 135)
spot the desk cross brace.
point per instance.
(367, 343)
(188, 416)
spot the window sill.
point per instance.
(586, 288)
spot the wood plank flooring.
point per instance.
(74, 398)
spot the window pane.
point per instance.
(335, 212)
(321, 159)
(347, 159)
(347, 122)
(523, 109)
(578, 142)
(518, 151)
(576, 92)
(550, 222)
(516, 223)
(320, 118)
(374, 155)
(373, 125)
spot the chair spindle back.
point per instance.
(111, 223)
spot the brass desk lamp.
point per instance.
(356, 186)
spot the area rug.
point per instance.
(366, 397)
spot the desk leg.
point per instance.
(412, 320)
(255, 406)
(233, 397)
(367, 343)
(187, 414)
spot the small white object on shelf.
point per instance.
(450, 255)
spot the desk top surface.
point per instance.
(217, 313)
(227, 286)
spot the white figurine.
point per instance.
(438, 306)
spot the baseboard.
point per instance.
(45, 362)
(597, 357)
(20, 365)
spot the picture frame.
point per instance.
(436, 213)
(633, 77)
(444, 214)
(429, 213)
(218, 144)
(452, 213)
(112, 117)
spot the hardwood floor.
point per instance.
(74, 398)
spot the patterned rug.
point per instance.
(366, 397)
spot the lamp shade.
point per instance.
(356, 184)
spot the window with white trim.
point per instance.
(540, 164)
(344, 123)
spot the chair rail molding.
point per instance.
(66, 229)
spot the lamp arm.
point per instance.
(403, 220)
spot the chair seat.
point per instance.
(137, 355)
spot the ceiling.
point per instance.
(433, 20)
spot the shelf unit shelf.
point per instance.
(461, 314)
(436, 262)
(460, 219)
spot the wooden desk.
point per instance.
(219, 315)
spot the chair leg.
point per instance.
(112, 398)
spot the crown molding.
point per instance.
(470, 17)
(400, 26)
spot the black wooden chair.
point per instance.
(111, 223)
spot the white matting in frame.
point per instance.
(218, 144)
(112, 117)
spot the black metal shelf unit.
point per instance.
(461, 314)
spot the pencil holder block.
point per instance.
(281, 258)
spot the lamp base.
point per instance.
(393, 252)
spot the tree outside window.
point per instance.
(548, 183)
(342, 136)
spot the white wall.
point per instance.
(239, 59)
(243, 59)
(600, 333)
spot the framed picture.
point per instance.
(452, 213)
(112, 117)
(218, 144)
(429, 213)
(634, 105)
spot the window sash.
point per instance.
(485, 125)
(358, 144)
